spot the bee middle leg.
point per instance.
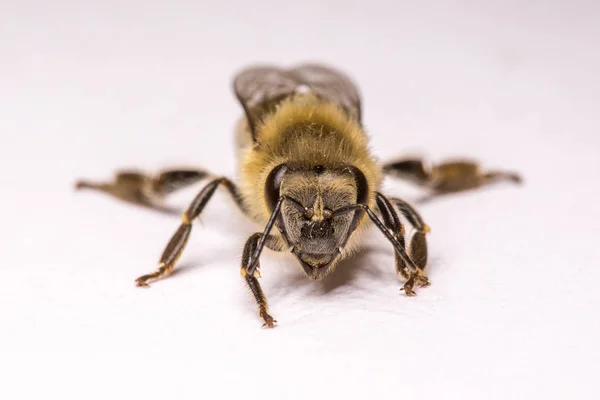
(417, 250)
(448, 177)
(179, 239)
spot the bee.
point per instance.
(307, 175)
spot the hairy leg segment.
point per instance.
(251, 276)
(142, 189)
(417, 249)
(448, 177)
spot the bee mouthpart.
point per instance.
(316, 269)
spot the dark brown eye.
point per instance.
(327, 213)
(273, 185)
(361, 184)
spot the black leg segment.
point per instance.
(251, 247)
(417, 251)
(179, 239)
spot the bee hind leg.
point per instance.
(448, 177)
(142, 189)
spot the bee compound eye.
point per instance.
(273, 185)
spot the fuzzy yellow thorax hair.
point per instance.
(304, 131)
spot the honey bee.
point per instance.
(307, 174)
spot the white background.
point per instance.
(87, 87)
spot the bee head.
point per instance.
(307, 220)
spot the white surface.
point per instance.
(513, 309)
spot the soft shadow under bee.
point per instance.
(293, 280)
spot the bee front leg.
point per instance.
(448, 177)
(418, 244)
(251, 278)
(179, 239)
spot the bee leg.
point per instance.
(418, 245)
(418, 253)
(413, 217)
(496, 176)
(417, 249)
(128, 186)
(143, 189)
(413, 170)
(251, 278)
(388, 231)
(179, 239)
(448, 177)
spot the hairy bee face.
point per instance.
(315, 234)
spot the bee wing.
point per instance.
(261, 89)
(331, 85)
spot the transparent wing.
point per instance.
(332, 85)
(260, 89)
